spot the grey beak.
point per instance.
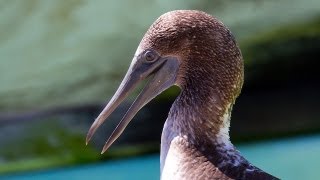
(164, 71)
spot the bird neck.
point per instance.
(198, 125)
(200, 119)
(202, 116)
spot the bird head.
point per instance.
(179, 49)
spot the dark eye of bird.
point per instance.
(150, 56)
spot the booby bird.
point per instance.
(196, 52)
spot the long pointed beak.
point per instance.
(164, 71)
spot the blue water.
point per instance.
(294, 158)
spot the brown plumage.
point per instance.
(196, 52)
(207, 49)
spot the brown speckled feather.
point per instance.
(195, 140)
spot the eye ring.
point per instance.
(150, 56)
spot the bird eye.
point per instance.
(150, 56)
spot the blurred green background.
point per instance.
(62, 60)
